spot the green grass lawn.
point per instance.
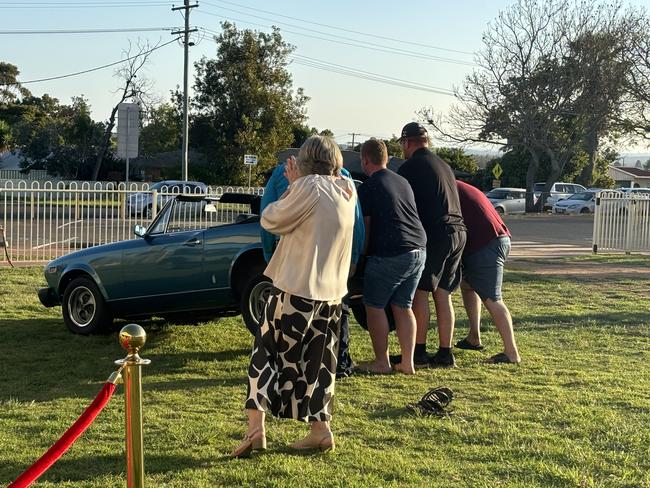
(575, 413)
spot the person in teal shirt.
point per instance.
(274, 189)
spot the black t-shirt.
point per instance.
(395, 227)
(436, 194)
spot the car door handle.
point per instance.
(193, 242)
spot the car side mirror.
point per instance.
(139, 230)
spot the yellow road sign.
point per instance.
(497, 171)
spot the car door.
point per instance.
(167, 273)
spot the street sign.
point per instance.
(497, 171)
(128, 130)
(250, 159)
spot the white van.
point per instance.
(558, 192)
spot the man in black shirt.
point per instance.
(436, 197)
(395, 242)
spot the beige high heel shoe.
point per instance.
(256, 441)
(310, 443)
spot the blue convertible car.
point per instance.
(186, 263)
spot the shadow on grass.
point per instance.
(43, 361)
(592, 320)
(89, 468)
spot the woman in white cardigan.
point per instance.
(293, 364)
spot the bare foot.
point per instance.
(401, 368)
(374, 368)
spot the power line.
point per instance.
(354, 42)
(42, 5)
(365, 75)
(377, 36)
(95, 69)
(86, 31)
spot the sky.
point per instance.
(429, 44)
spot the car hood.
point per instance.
(82, 254)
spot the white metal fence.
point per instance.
(622, 222)
(45, 220)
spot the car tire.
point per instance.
(359, 312)
(84, 309)
(500, 210)
(584, 210)
(253, 298)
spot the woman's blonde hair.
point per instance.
(319, 155)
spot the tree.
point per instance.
(530, 94)
(457, 159)
(244, 102)
(162, 130)
(646, 165)
(135, 87)
(637, 81)
(5, 136)
(10, 88)
(393, 147)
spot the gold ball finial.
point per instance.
(132, 338)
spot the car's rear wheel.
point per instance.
(84, 309)
(253, 298)
(584, 210)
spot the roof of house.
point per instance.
(636, 172)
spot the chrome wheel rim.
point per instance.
(258, 298)
(82, 306)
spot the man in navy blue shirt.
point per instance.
(395, 246)
(274, 189)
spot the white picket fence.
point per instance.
(45, 220)
(621, 222)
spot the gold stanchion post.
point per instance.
(132, 337)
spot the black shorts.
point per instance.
(442, 268)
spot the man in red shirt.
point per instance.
(484, 256)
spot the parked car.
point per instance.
(141, 203)
(177, 266)
(508, 200)
(558, 192)
(579, 203)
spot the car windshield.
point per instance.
(583, 196)
(539, 186)
(498, 194)
(158, 186)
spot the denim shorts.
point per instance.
(483, 269)
(392, 279)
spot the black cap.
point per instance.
(412, 129)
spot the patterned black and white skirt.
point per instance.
(293, 364)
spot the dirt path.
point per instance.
(578, 268)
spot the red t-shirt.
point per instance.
(483, 222)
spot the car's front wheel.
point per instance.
(253, 298)
(84, 309)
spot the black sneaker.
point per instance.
(440, 360)
(419, 361)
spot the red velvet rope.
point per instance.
(63, 444)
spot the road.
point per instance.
(548, 235)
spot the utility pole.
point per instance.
(353, 134)
(186, 45)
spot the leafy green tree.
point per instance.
(162, 131)
(5, 136)
(458, 159)
(393, 147)
(244, 103)
(10, 88)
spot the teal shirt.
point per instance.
(276, 186)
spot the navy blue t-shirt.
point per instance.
(395, 227)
